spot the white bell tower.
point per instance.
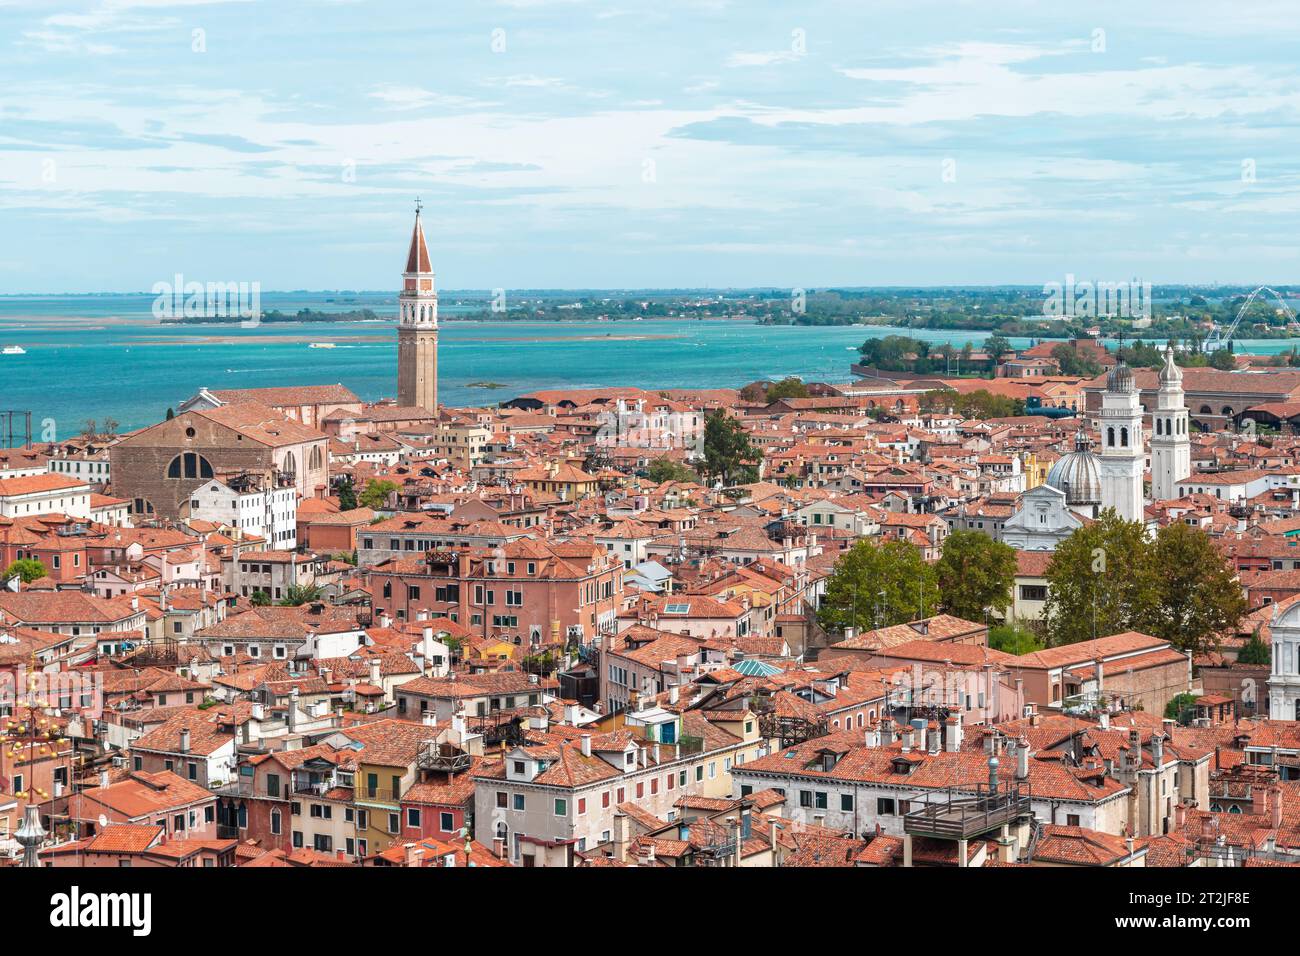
(1122, 457)
(1171, 446)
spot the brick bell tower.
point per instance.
(417, 327)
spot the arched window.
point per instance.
(141, 506)
(290, 464)
(1160, 426)
(1123, 437)
(1205, 410)
(189, 465)
(1227, 411)
(314, 462)
(1110, 437)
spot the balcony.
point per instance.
(445, 758)
(377, 795)
(957, 814)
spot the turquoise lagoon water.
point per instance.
(105, 356)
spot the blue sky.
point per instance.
(617, 144)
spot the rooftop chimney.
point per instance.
(586, 745)
(1022, 759)
(185, 740)
(953, 740)
(993, 775)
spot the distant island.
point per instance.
(302, 315)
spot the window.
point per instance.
(1071, 819)
(884, 807)
(189, 465)
(394, 823)
(561, 807)
(413, 817)
(519, 801)
(503, 801)
(446, 822)
(275, 822)
(846, 801)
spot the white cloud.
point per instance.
(761, 59)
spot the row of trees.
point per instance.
(980, 403)
(1105, 578)
(1110, 577)
(878, 585)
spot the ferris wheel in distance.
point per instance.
(1219, 339)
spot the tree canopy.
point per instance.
(376, 492)
(791, 387)
(26, 570)
(347, 494)
(1100, 581)
(665, 469)
(876, 585)
(975, 575)
(298, 594)
(1109, 577)
(729, 456)
(980, 403)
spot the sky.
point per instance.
(615, 144)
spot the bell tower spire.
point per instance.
(417, 326)
(1171, 446)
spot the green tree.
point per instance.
(997, 346)
(975, 575)
(1071, 361)
(1179, 707)
(1255, 651)
(1199, 596)
(728, 454)
(1223, 360)
(347, 494)
(791, 387)
(376, 493)
(665, 469)
(876, 585)
(1013, 639)
(298, 594)
(259, 599)
(1101, 581)
(980, 403)
(26, 570)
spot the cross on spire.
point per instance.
(419, 205)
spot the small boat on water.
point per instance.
(13, 350)
(321, 345)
